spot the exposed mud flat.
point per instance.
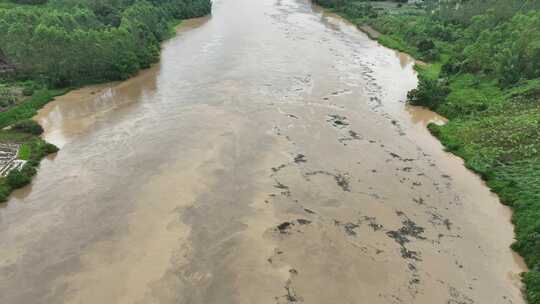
(269, 158)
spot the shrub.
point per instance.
(50, 148)
(452, 66)
(28, 126)
(28, 91)
(429, 93)
(5, 190)
(360, 10)
(17, 179)
(428, 49)
(532, 280)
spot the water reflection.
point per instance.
(423, 116)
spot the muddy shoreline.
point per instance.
(268, 158)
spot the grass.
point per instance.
(396, 43)
(16, 137)
(24, 152)
(431, 70)
(29, 108)
(470, 95)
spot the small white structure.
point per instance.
(8, 158)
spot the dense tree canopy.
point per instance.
(68, 42)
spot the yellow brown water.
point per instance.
(268, 158)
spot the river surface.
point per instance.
(268, 158)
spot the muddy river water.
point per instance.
(268, 158)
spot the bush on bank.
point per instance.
(28, 126)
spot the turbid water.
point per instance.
(268, 158)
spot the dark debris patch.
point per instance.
(410, 254)
(343, 182)
(352, 136)
(338, 120)
(291, 295)
(355, 135)
(303, 221)
(437, 219)
(457, 297)
(284, 227)
(309, 211)
(348, 227)
(372, 223)
(395, 155)
(342, 179)
(409, 229)
(448, 224)
(398, 237)
(276, 169)
(281, 186)
(300, 158)
(419, 201)
(286, 191)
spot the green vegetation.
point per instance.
(28, 126)
(485, 77)
(17, 128)
(50, 46)
(24, 132)
(24, 152)
(71, 42)
(32, 149)
(29, 108)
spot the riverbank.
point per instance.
(28, 81)
(493, 122)
(22, 147)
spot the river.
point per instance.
(268, 158)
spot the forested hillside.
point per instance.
(484, 75)
(69, 42)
